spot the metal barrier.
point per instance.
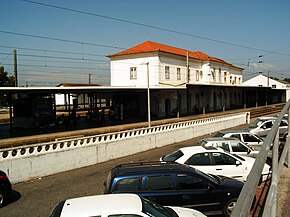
(246, 198)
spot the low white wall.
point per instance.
(28, 162)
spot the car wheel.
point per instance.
(2, 198)
(228, 208)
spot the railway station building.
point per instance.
(179, 83)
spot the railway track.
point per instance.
(266, 110)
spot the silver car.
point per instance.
(261, 127)
(232, 145)
(244, 136)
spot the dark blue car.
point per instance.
(174, 184)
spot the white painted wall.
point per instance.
(120, 72)
(262, 80)
(29, 162)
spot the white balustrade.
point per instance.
(95, 148)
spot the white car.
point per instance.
(118, 205)
(232, 145)
(244, 136)
(216, 161)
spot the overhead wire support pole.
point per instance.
(148, 96)
(15, 68)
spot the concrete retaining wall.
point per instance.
(28, 162)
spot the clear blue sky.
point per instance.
(263, 26)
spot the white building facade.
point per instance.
(196, 81)
(169, 66)
(266, 81)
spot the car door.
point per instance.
(265, 128)
(160, 188)
(196, 192)
(239, 148)
(200, 161)
(283, 128)
(226, 165)
(205, 163)
(251, 140)
(237, 136)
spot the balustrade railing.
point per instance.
(65, 144)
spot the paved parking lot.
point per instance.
(39, 195)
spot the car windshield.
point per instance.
(173, 156)
(257, 123)
(155, 210)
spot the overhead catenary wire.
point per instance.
(152, 26)
(52, 51)
(58, 39)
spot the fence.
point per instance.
(245, 200)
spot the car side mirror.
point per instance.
(238, 163)
(249, 151)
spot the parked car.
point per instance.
(261, 126)
(118, 205)
(5, 188)
(215, 161)
(173, 184)
(244, 136)
(232, 145)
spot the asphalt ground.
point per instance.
(37, 197)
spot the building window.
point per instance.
(197, 75)
(213, 74)
(167, 73)
(274, 86)
(230, 79)
(239, 80)
(133, 73)
(225, 77)
(200, 75)
(178, 74)
(220, 75)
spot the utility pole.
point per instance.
(268, 81)
(15, 68)
(187, 89)
(187, 66)
(90, 78)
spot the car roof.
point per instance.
(220, 139)
(200, 149)
(149, 167)
(98, 204)
(234, 131)
(265, 118)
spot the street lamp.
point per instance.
(148, 94)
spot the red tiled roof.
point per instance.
(150, 46)
(77, 85)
